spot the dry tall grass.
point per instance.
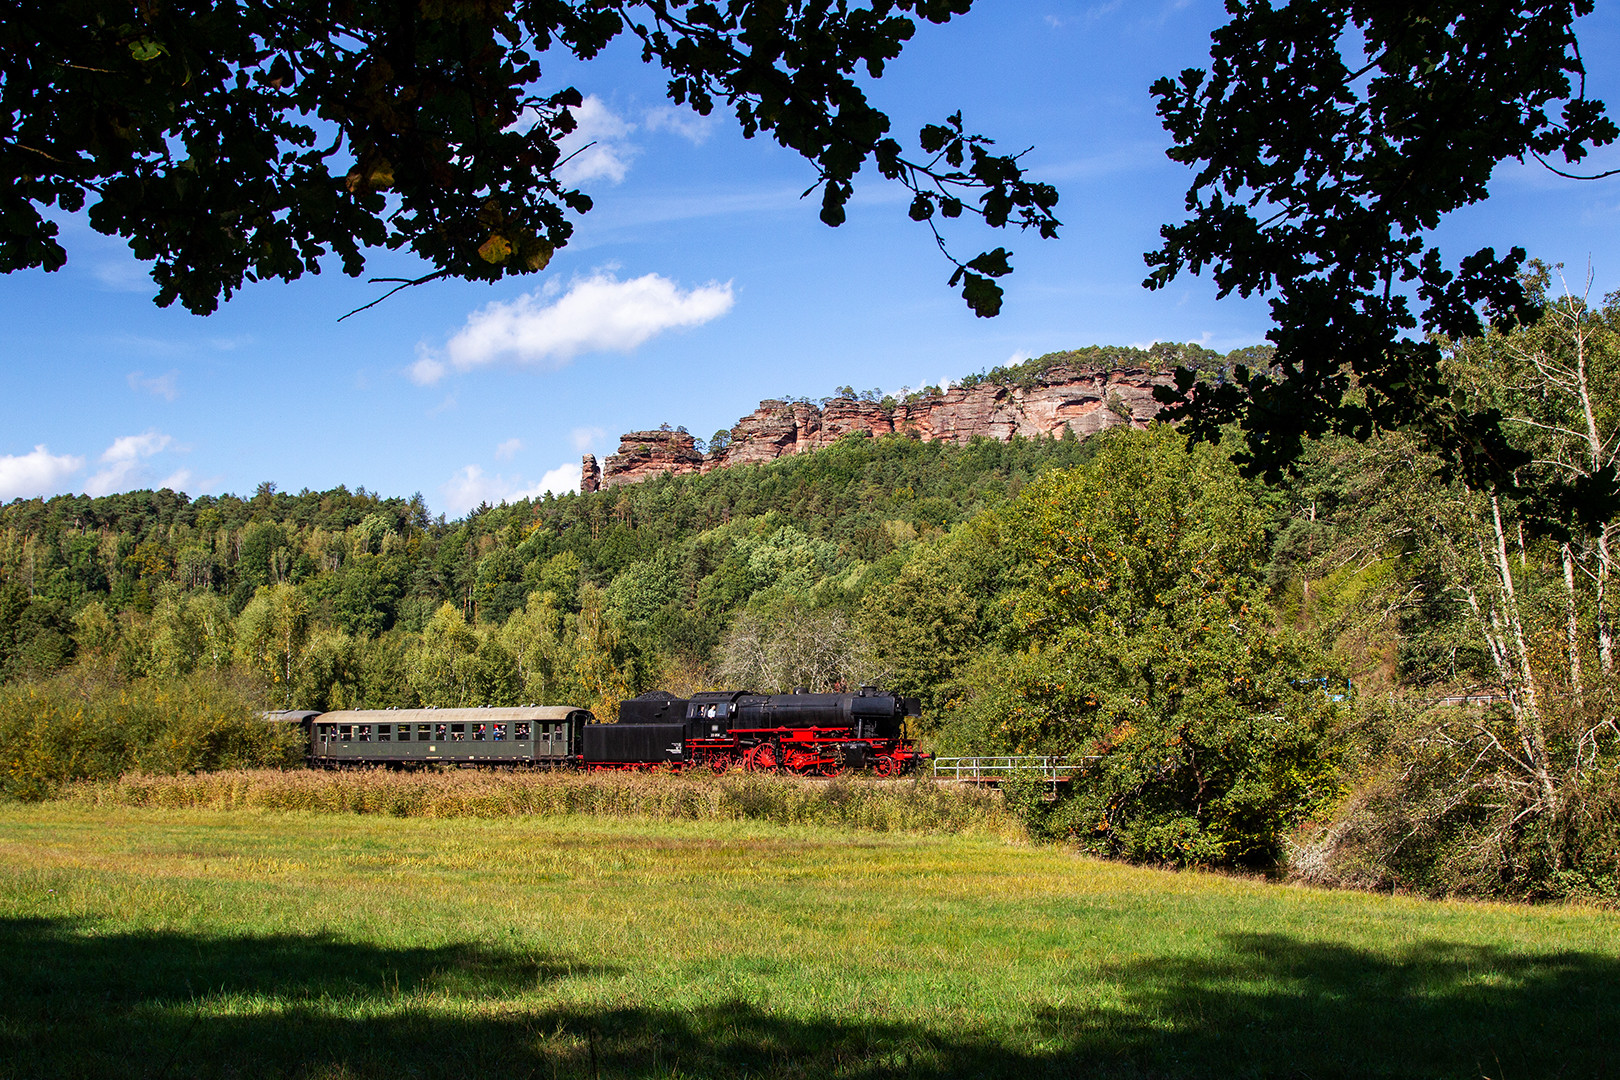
(912, 806)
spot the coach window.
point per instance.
(499, 732)
(438, 732)
(404, 733)
(345, 732)
(365, 732)
(458, 732)
(480, 732)
(424, 732)
(520, 732)
(385, 732)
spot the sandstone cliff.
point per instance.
(1084, 401)
(645, 454)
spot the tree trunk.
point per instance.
(1531, 733)
(1605, 624)
(1595, 450)
(1572, 626)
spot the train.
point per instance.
(807, 734)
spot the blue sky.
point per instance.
(699, 285)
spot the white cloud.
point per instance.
(122, 461)
(470, 487)
(134, 447)
(683, 122)
(597, 314)
(597, 148)
(37, 473)
(561, 480)
(178, 480)
(426, 371)
(165, 386)
(585, 437)
(508, 449)
(122, 275)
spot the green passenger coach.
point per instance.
(533, 735)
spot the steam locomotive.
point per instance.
(802, 733)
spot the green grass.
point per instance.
(162, 943)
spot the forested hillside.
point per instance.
(338, 598)
(1248, 673)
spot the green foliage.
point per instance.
(455, 666)
(1433, 811)
(938, 614)
(1146, 650)
(1380, 119)
(273, 632)
(213, 169)
(1160, 357)
(90, 724)
(35, 633)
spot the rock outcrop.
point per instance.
(645, 454)
(1083, 401)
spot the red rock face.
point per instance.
(645, 454)
(590, 476)
(1085, 401)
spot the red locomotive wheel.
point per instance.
(800, 761)
(719, 762)
(887, 765)
(760, 758)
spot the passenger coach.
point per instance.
(533, 735)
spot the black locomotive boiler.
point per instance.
(803, 733)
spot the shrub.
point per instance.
(1444, 808)
(89, 724)
(1145, 650)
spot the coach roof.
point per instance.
(534, 713)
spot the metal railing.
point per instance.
(993, 770)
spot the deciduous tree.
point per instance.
(1329, 139)
(238, 140)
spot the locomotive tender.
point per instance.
(803, 733)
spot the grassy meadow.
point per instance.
(144, 941)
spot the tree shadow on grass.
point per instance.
(163, 1005)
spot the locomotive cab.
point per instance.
(709, 715)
